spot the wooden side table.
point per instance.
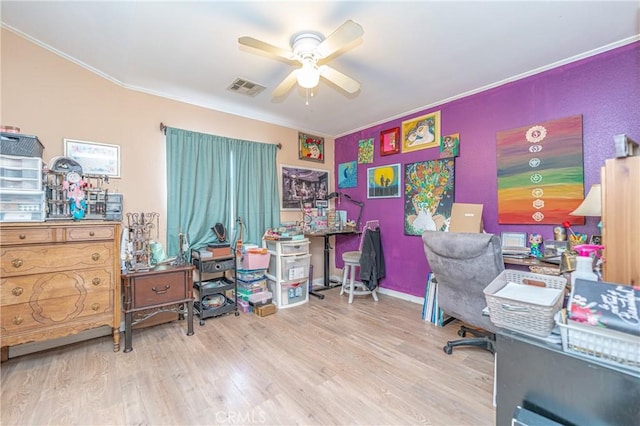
(165, 288)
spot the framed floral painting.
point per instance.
(428, 195)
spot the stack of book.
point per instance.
(431, 312)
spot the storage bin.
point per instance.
(253, 286)
(22, 206)
(21, 145)
(289, 247)
(293, 293)
(597, 343)
(255, 260)
(262, 298)
(524, 317)
(250, 275)
(292, 267)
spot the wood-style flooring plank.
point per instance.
(323, 363)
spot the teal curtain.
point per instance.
(257, 200)
(207, 176)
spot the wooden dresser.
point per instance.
(58, 279)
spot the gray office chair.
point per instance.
(463, 265)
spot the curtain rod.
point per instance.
(163, 129)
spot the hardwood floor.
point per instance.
(323, 363)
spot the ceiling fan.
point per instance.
(310, 50)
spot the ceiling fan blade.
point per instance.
(342, 36)
(266, 47)
(343, 81)
(286, 84)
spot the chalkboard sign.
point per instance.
(607, 305)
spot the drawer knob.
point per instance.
(91, 234)
(22, 236)
(95, 306)
(16, 263)
(95, 256)
(95, 281)
(17, 291)
(163, 291)
(17, 320)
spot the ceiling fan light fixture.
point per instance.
(309, 75)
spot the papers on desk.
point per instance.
(541, 296)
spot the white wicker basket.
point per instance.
(528, 318)
(608, 346)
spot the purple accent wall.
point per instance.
(605, 89)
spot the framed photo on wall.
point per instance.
(311, 148)
(384, 181)
(95, 158)
(421, 132)
(390, 141)
(302, 185)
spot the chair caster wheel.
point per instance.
(447, 349)
(201, 323)
(237, 313)
(462, 333)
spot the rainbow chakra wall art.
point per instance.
(428, 195)
(540, 172)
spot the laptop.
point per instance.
(514, 244)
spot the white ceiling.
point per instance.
(412, 55)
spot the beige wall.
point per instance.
(46, 95)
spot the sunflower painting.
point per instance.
(428, 195)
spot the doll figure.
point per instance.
(535, 241)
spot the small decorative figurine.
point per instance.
(74, 186)
(535, 240)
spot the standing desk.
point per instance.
(326, 234)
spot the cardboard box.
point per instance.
(264, 310)
(466, 218)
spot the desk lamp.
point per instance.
(592, 204)
(348, 197)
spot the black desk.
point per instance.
(327, 248)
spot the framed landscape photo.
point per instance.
(383, 181)
(311, 148)
(95, 158)
(302, 185)
(421, 132)
(390, 141)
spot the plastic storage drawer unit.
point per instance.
(22, 206)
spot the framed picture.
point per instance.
(596, 240)
(365, 151)
(348, 174)
(421, 132)
(390, 141)
(383, 181)
(428, 195)
(310, 148)
(450, 146)
(95, 158)
(302, 185)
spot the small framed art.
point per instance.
(311, 148)
(390, 141)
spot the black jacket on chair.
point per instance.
(372, 267)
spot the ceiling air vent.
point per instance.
(245, 87)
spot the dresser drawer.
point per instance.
(16, 290)
(11, 236)
(90, 233)
(57, 311)
(18, 260)
(158, 289)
